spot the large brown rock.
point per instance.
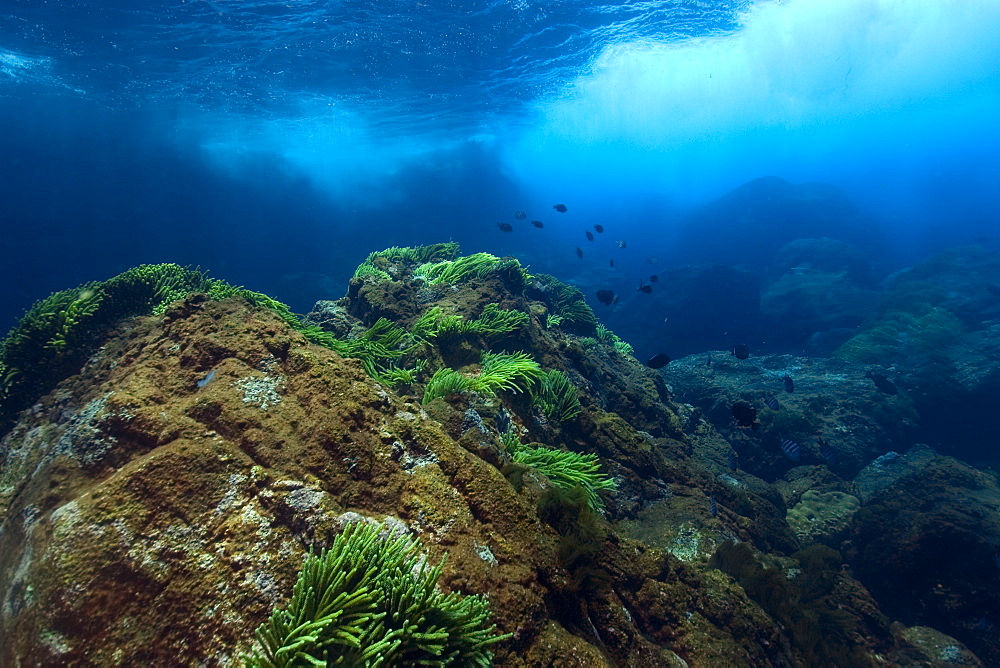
(157, 506)
(147, 520)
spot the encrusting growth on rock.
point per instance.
(184, 462)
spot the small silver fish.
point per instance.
(207, 379)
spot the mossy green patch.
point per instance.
(820, 516)
(444, 383)
(898, 334)
(58, 333)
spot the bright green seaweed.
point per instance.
(568, 470)
(371, 600)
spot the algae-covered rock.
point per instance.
(935, 648)
(938, 325)
(890, 467)
(836, 415)
(161, 509)
(927, 546)
(157, 506)
(822, 517)
(824, 255)
(805, 302)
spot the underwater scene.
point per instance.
(500, 332)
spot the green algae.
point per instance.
(498, 371)
(461, 269)
(567, 470)
(555, 397)
(435, 323)
(371, 600)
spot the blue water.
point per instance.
(276, 144)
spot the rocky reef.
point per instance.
(938, 328)
(179, 464)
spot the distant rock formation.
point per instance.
(749, 225)
(818, 285)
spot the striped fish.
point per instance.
(791, 449)
(772, 402)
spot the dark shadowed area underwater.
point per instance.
(674, 325)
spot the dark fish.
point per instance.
(599, 229)
(745, 414)
(590, 235)
(505, 227)
(772, 402)
(828, 453)
(713, 507)
(658, 361)
(646, 289)
(708, 359)
(579, 253)
(791, 449)
(520, 215)
(537, 223)
(621, 243)
(503, 420)
(561, 208)
(654, 279)
(882, 382)
(607, 297)
(733, 462)
(612, 263)
(741, 351)
(789, 384)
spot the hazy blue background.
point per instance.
(276, 144)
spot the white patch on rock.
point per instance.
(64, 519)
(261, 392)
(485, 553)
(229, 499)
(305, 499)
